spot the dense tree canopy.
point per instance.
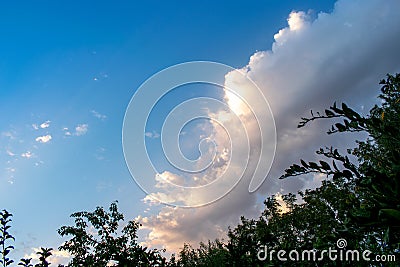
(375, 177)
(106, 244)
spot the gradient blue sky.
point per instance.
(76, 66)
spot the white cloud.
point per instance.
(44, 125)
(10, 153)
(27, 154)
(44, 138)
(338, 56)
(81, 129)
(283, 208)
(10, 169)
(66, 131)
(100, 76)
(98, 115)
(296, 21)
(35, 126)
(39, 163)
(152, 135)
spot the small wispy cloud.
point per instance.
(81, 129)
(35, 126)
(10, 153)
(40, 162)
(10, 169)
(44, 138)
(100, 76)
(45, 124)
(27, 155)
(152, 134)
(66, 131)
(100, 153)
(98, 115)
(9, 134)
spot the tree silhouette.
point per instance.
(5, 236)
(96, 241)
(44, 253)
(25, 263)
(375, 177)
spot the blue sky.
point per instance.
(68, 70)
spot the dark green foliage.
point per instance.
(106, 243)
(44, 253)
(87, 249)
(212, 254)
(5, 237)
(25, 263)
(376, 175)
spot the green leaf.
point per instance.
(304, 163)
(340, 127)
(349, 112)
(325, 165)
(337, 175)
(391, 214)
(329, 113)
(348, 174)
(313, 165)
